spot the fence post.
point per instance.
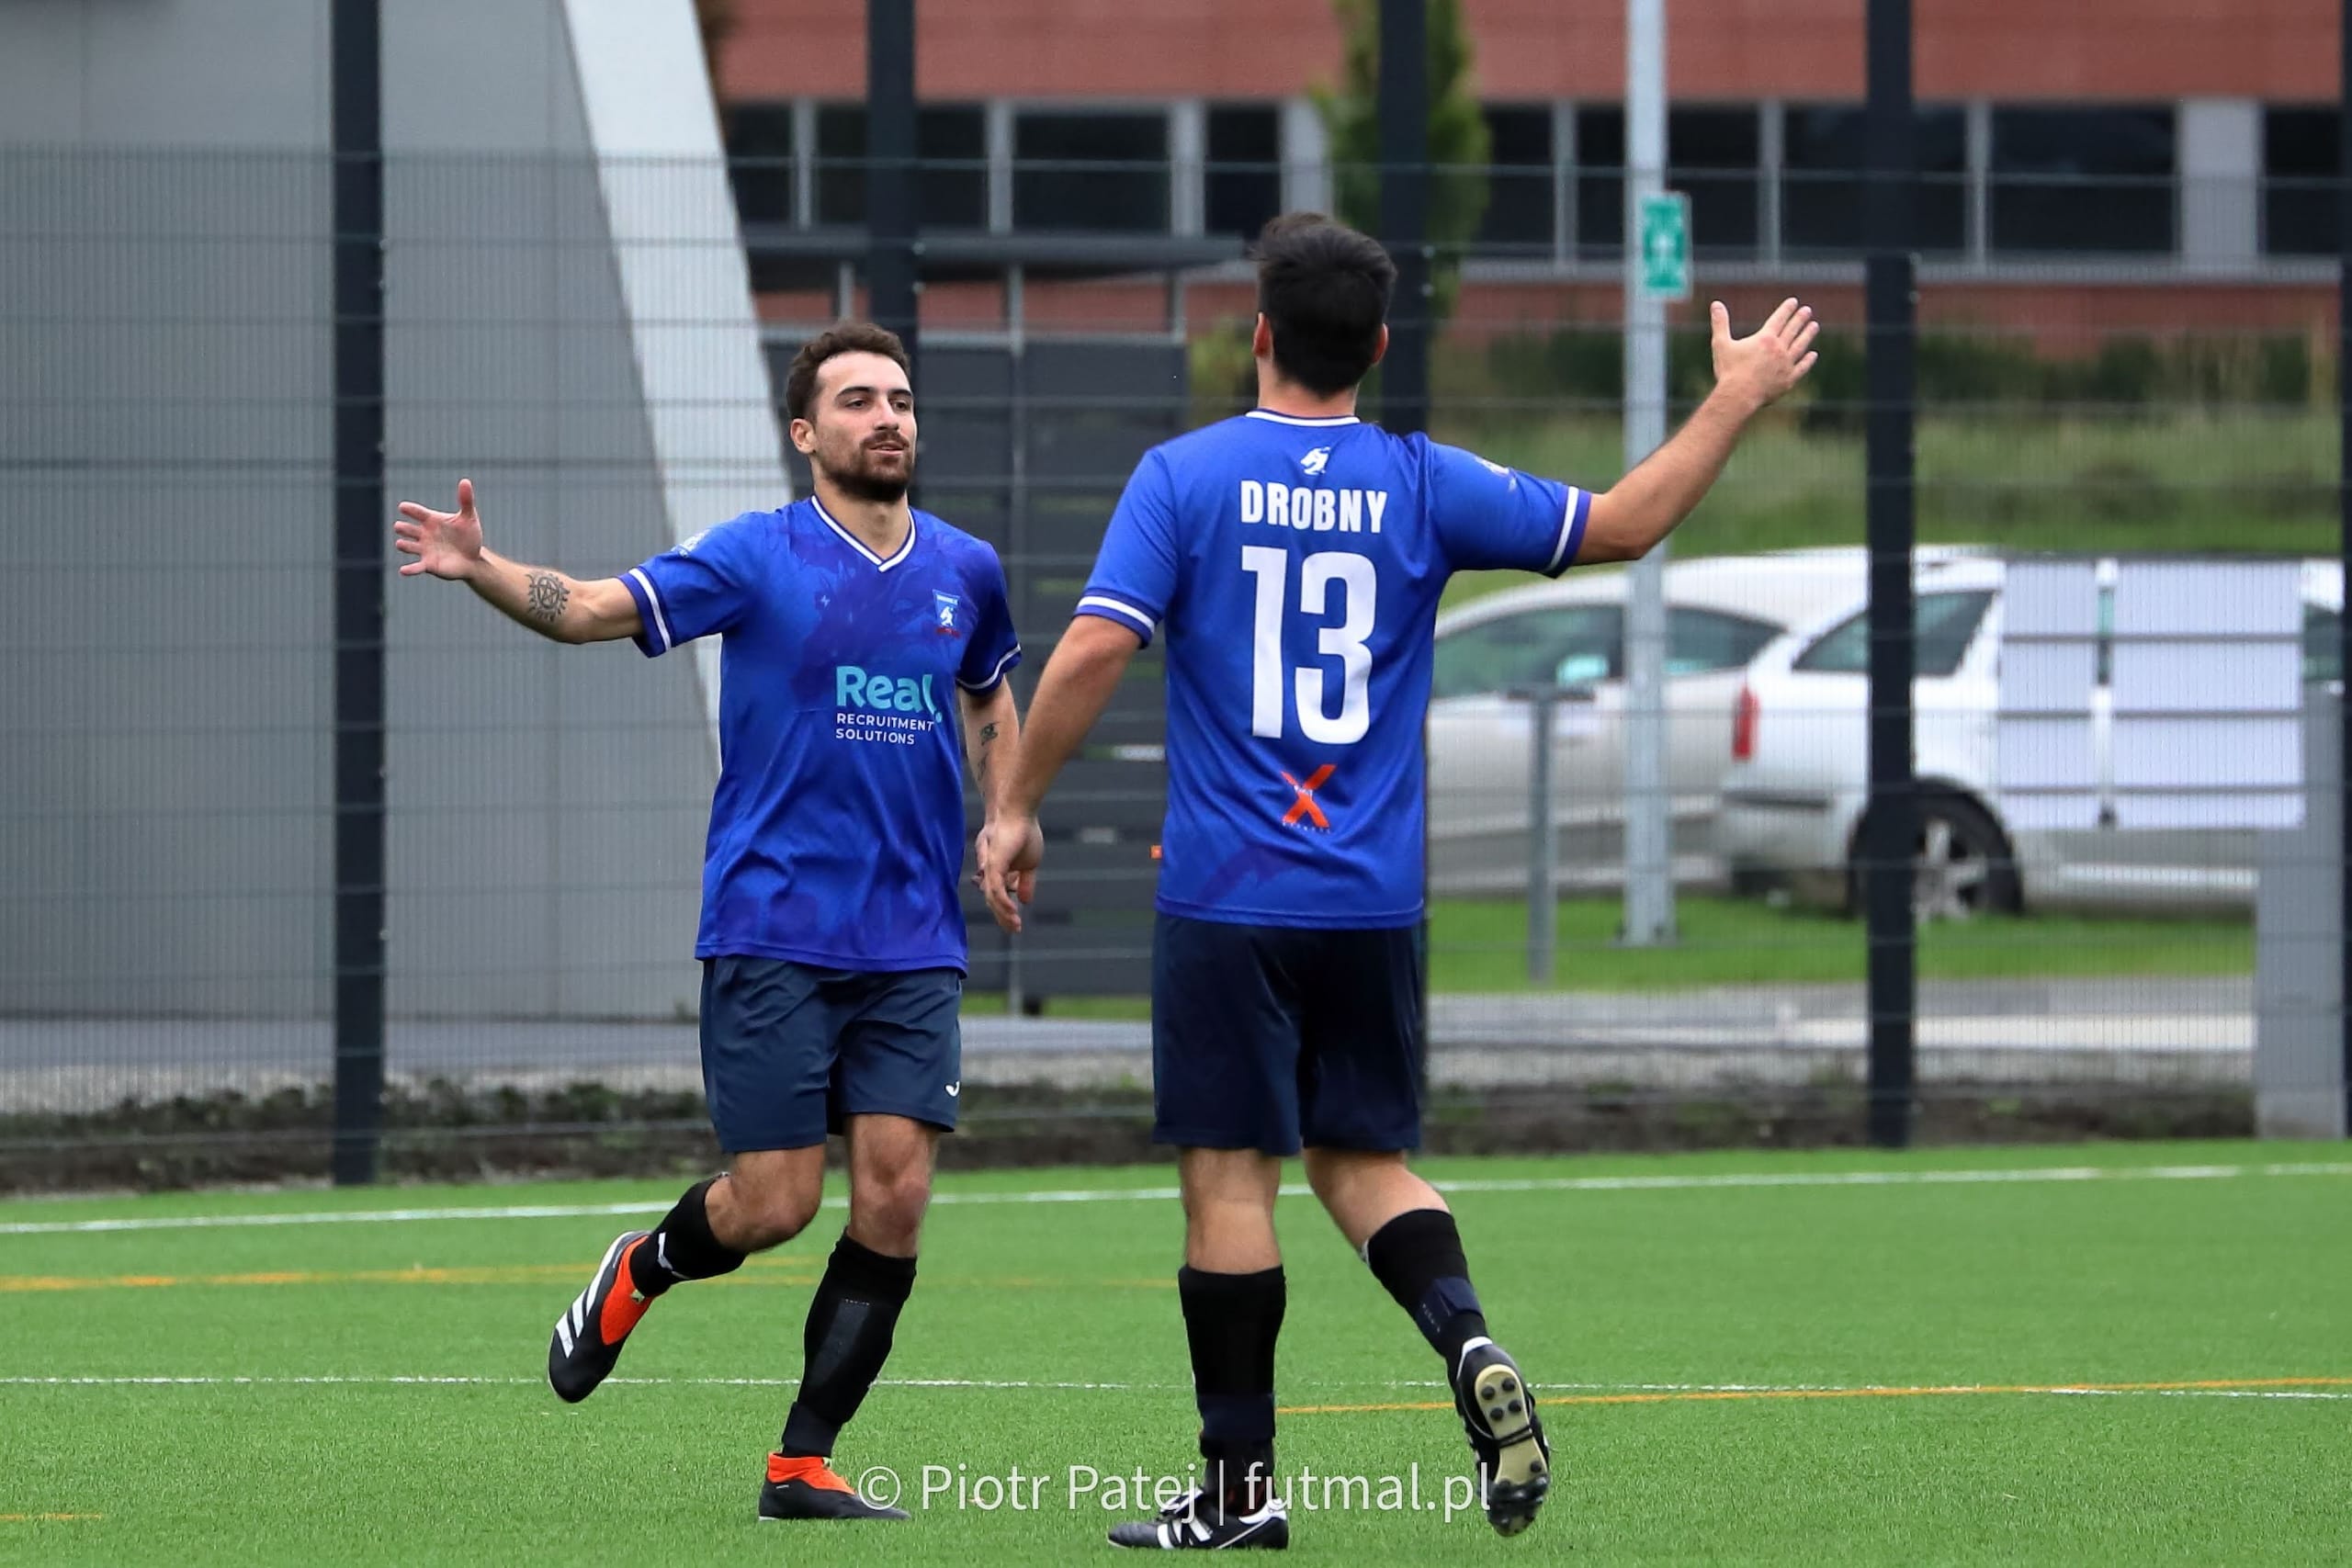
(1891, 824)
(2344, 495)
(1543, 839)
(359, 530)
(891, 218)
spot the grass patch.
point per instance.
(1481, 945)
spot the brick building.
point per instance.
(2090, 166)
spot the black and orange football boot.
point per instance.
(588, 1336)
(806, 1488)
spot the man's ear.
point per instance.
(1262, 339)
(1380, 349)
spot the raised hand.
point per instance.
(446, 544)
(1760, 367)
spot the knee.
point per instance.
(887, 1207)
(772, 1215)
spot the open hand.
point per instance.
(1759, 369)
(446, 544)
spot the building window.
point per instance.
(2300, 165)
(1520, 186)
(951, 143)
(1824, 148)
(1091, 169)
(1600, 182)
(2095, 180)
(1711, 154)
(1243, 185)
(759, 161)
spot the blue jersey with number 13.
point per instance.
(1293, 566)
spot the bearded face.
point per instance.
(860, 431)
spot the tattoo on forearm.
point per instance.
(546, 593)
(981, 756)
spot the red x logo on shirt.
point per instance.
(1304, 808)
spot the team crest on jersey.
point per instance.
(1314, 462)
(946, 604)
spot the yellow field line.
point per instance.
(781, 1271)
(793, 1272)
(1681, 1396)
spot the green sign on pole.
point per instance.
(1666, 247)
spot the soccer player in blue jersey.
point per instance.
(1292, 559)
(832, 939)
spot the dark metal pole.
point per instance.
(359, 532)
(2343, 494)
(1891, 824)
(1404, 101)
(890, 214)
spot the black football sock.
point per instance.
(1232, 1322)
(683, 1247)
(1417, 1256)
(845, 1342)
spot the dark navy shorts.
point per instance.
(1268, 1037)
(790, 1050)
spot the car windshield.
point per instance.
(1943, 625)
(1567, 645)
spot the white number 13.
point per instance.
(1360, 586)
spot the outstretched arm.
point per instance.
(566, 609)
(1071, 695)
(1751, 374)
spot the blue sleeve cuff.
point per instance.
(653, 626)
(995, 676)
(1110, 607)
(1572, 521)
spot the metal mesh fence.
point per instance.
(2127, 393)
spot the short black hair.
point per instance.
(1324, 290)
(844, 337)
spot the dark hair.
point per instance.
(847, 337)
(1324, 289)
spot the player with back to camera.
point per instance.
(831, 938)
(1294, 557)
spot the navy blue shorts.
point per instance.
(790, 1050)
(1268, 1037)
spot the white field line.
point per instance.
(1734, 1181)
(1764, 1391)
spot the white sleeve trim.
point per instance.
(994, 676)
(1120, 607)
(661, 623)
(1568, 528)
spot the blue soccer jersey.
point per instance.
(837, 829)
(1293, 566)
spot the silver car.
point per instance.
(1720, 612)
(1798, 783)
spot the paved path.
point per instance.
(2120, 1031)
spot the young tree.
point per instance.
(1459, 145)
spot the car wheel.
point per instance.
(1962, 865)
